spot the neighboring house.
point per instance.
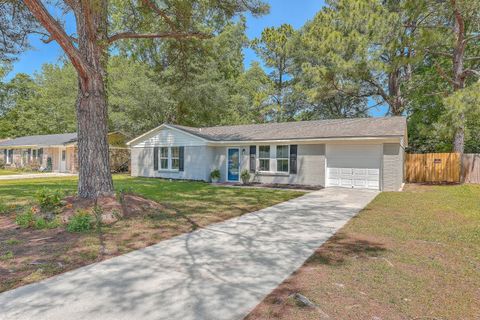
(352, 153)
(53, 152)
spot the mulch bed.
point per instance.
(30, 255)
(274, 186)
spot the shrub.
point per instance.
(49, 199)
(29, 219)
(80, 222)
(42, 223)
(2, 164)
(215, 174)
(25, 219)
(245, 175)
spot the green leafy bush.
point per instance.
(2, 164)
(25, 219)
(215, 175)
(42, 223)
(49, 199)
(245, 175)
(80, 222)
(28, 219)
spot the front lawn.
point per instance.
(409, 255)
(8, 172)
(28, 255)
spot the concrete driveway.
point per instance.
(220, 272)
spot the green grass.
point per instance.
(407, 255)
(9, 172)
(183, 195)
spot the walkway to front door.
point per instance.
(220, 272)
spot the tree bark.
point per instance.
(459, 140)
(458, 73)
(396, 100)
(95, 178)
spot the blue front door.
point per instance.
(233, 166)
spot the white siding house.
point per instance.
(350, 153)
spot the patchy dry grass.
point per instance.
(28, 255)
(409, 255)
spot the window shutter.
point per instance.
(155, 158)
(253, 156)
(5, 155)
(40, 155)
(293, 158)
(181, 157)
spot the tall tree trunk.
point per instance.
(458, 73)
(95, 178)
(459, 140)
(397, 102)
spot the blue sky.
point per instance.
(294, 12)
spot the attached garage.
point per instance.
(354, 166)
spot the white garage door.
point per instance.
(354, 166)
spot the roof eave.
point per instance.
(165, 125)
(323, 139)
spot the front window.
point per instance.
(164, 158)
(175, 158)
(264, 158)
(282, 158)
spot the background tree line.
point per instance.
(419, 58)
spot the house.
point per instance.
(353, 153)
(56, 152)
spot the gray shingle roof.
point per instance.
(338, 128)
(41, 140)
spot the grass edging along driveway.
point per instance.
(408, 255)
(28, 255)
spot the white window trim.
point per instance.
(169, 159)
(287, 158)
(269, 159)
(160, 158)
(273, 160)
(170, 154)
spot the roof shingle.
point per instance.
(338, 128)
(41, 140)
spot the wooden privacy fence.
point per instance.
(471, 168)
(433, 167)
